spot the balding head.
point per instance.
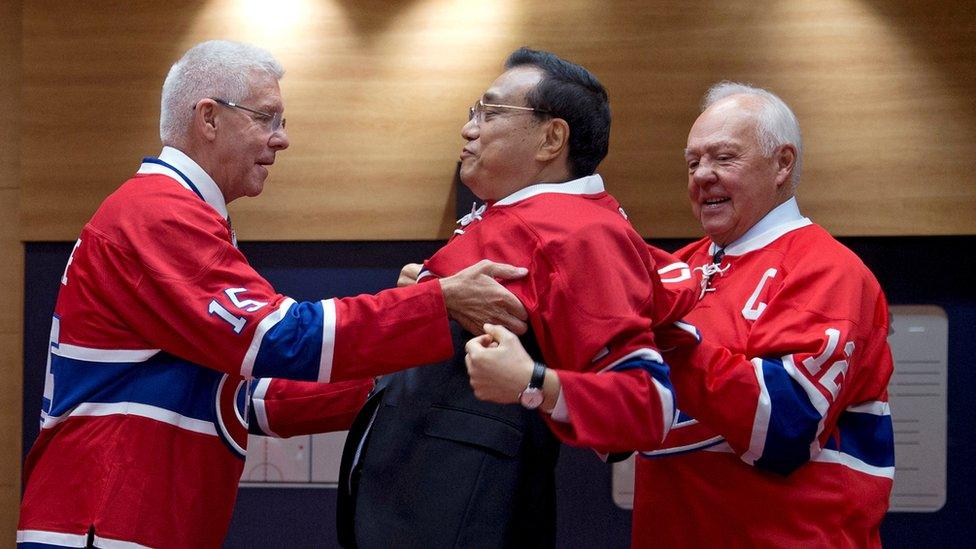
(775, 123)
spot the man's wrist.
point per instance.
(532, 395)
(446, 289)
(550, 391)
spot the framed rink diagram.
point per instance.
(306, 461)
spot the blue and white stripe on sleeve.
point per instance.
(865, 440)
(789, 417)
(297, 341)
(653, 363)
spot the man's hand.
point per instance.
(409, 274)
(676, 336)
(498, 365)
(473, 297)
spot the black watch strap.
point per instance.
(538, 376)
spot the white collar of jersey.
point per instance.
(205, 184)
(779, 221)
(591, 184)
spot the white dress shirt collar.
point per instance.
(188, 167)
(779, 221)
(591, 184)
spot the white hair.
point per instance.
(776, 125)
(217, 68)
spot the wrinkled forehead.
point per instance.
(512, 85)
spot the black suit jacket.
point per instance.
(439, 468)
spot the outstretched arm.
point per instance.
(283, 408)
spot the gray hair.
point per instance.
(217, 68)
(776, 125)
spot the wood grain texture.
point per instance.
(10, 86)
(12, 263)
(10, 434)
(11, 268)
(376, 93)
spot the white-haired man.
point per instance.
(160, 324)
(784, 437)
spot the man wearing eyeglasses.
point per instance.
(427, 464)
(160, 325)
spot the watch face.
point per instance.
(531, 398)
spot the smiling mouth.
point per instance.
(712, 202)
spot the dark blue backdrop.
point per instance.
(912, 270)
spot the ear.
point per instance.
(785, 162)
(555, 140)
(205, 119)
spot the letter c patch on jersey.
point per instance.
(755, 306)
(231, 401)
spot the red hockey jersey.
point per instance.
(784, 438)
(593, 295)
(159, 323)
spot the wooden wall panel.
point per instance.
(10, 436)
(11, 269)
(376, 93)
(11, 265)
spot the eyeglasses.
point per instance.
(477, 111)
(275, 121)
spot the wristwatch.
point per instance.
(531, 397)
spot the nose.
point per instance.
(470, 130)
(703, 174)
(279, 140)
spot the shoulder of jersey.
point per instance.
(700, 245)
(814, 245)
(571, 211)
(153, 196)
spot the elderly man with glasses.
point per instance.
(429, 465)
(161, 324)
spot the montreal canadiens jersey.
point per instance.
(784, 436)
(593, 295)
(160, 323)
